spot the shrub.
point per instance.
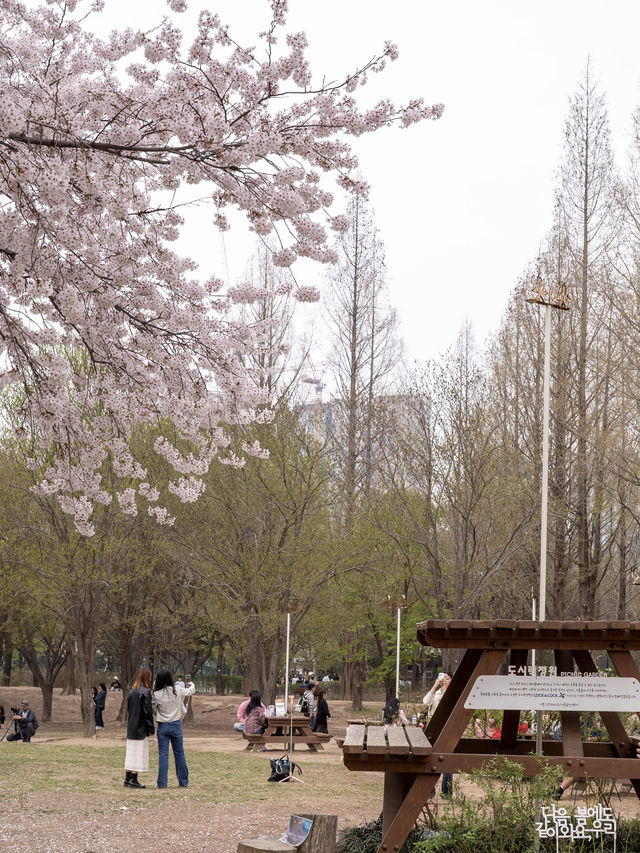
(504, 821)
(367, 837)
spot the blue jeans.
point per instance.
(171, 732)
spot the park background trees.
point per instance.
(410, 485)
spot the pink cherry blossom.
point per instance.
(103, 324)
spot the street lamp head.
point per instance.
(559, 298)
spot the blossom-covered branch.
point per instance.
(103, 325)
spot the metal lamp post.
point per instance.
(560, 300)
(401, 605)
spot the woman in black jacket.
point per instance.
(99, 700)
(139, 727)
(321, 712)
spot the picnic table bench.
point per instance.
(396, 744)
(283, 731)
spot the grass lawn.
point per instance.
(70, 798)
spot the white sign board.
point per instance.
(554, 693)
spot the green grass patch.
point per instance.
(213, 777)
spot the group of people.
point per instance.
(167, 701)
(251, 716)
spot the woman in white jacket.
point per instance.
(168, 705)
(432, 700)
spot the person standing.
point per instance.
(321, 713)
(99, 701)
(167, 700)
(139, 727)
(432, 700)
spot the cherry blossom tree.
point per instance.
(103, 325)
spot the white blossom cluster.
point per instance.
(103, 325)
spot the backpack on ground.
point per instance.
(282, 768)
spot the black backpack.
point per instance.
(282, 768)
(302, 706)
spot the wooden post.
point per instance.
(392, 797)
(322, 838)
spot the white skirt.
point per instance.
(137, 758)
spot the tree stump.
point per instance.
(263, 843)
(322, 838)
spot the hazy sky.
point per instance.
(462, 203)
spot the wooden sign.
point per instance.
(554, 693)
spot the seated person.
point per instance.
(27, 722)
(484, 728)
(115, 683)
(255, 722)
(241, 713)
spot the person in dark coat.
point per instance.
(392, 713)
(139, 727)
(27, 723)
(321, 712)
(99, 700)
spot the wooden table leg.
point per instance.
(393, 796)
(626, 668)
(408, 812)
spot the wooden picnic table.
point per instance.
(412, 766)
(286, 731)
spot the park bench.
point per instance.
(286, 732)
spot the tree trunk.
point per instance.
(220, 665)
(69, 688)
(357, 675)
(345, 680)
(322, 838)
(622, 577)
(7, 658)
(252, 679)
(126, 673)
(269, 688)
(44, 680)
